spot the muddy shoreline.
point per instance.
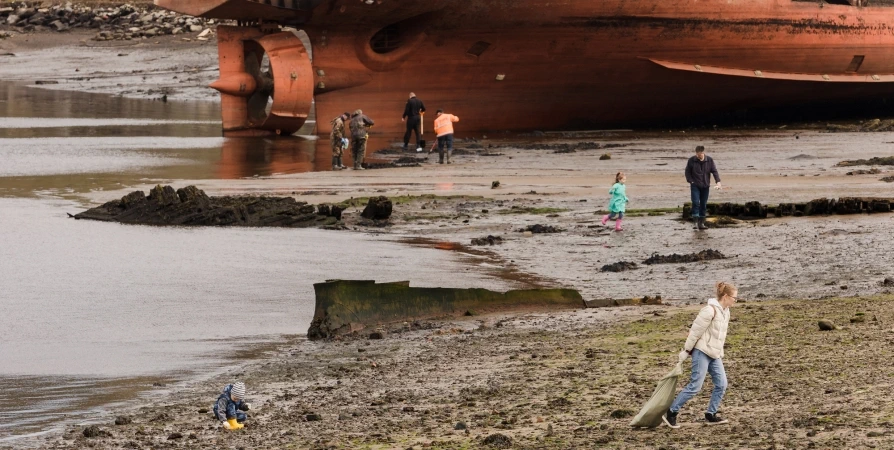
(551, 380)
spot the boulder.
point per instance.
(378, 208)
(826, 325)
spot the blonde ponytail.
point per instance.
(724, 288)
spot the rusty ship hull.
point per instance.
(537, 64)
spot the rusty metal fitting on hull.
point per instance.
(238, 84)
(266, 81)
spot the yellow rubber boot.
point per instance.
(234, 425)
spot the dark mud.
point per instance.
(704, 255)
(404, 161)
(191, 206)
(568, 147)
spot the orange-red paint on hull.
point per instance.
(538, 64)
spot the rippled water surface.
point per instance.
(94, 313)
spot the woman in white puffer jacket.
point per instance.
(705, 343)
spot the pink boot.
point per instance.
(618, 225)
(605, 219)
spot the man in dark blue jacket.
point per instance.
(698, 174)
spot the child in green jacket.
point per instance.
(618, 203)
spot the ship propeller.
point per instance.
(266, 81)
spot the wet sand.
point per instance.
(530, 378)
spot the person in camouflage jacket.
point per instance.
(338, 138)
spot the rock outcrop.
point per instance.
(124, 22)
(817, 207)
(191, 206)
(378, 208)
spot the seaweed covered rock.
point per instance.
(704, 255)
(191, 206)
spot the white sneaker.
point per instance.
(418, 149)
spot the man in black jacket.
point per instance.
(413, 117)
(698, 174)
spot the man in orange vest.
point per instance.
(444, 130)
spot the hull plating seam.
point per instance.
(736, 26)
(846, 78)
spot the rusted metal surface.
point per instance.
(539, 64)
(257, 101)
(756, 73)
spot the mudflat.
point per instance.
(567, 379)
(548, 381)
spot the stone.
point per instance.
(487, 240)
(94, 431)
(195, 28)
(494, 184)
(621, 414)
(605, 156)
(58, 25)
(376, 335)
(175, 435)
(498, 440)
(378, 208)
(460, 426)
(313, 417)
(12, 19)
(826, 325)
(123, 420)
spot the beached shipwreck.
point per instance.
(344, 307)
(545, 64)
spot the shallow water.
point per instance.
(95, 313)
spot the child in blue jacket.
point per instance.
(229, 406)
(618, 203)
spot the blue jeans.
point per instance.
(702, 364)
(699, 200)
